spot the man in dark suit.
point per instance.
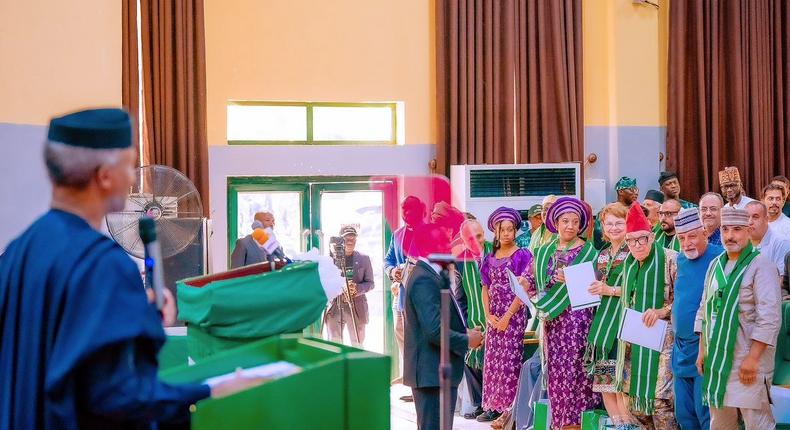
(422, 331)
(247, 251)
(359, 271)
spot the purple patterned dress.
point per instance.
(504, 350)
(565, 338)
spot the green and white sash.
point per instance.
(554, 302)
(720, 323)
(643, 289)
(475, 312)
(661, 236)
(603, 331)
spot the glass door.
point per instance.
(336, 205)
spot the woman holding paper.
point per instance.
(564, 337)
(505, 315)
(600, 357)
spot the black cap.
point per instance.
(656, 196)
(348, 230)
(665, 176)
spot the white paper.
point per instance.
(274, 370)
(578, 279)
(518, 290)
(634, 331)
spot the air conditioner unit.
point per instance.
(481, 188)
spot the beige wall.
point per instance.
(57, 56)
(625, 63)
(318, 50)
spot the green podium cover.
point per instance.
(339, 387)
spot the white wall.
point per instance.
(342, 160)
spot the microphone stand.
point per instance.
(445, 368)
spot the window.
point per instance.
(311, 123)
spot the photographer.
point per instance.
(359, 273)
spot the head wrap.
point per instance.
(732, 216)
(687, 220)
(549, 200)
(636, 220)
(625, 183)
(446, 215)
(654, 195)
(728, 175)
(503, 214)
(565, 205)
(665, 176)
(93, 128)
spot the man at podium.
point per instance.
(79, 336)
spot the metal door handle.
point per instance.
(305, 236)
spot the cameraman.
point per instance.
(359, 273)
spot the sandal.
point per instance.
(500, 422)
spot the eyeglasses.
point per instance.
(641, 240)
(614, 224)
(711, 209)
(667, 213)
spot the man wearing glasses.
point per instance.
(732, 188)
(709, 212)
(648, 287)
(666, 218)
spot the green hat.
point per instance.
(625, 183)
(535, 210)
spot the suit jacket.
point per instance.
(247, 252)
(363, 277)
(422, 327)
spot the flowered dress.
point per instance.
(565, 339)
(504, 350)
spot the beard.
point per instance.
(692, 254)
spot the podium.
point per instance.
(339, 387)
(230, 309)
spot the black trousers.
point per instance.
(426, 401)
(474, 380)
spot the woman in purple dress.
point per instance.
(564, 337)
(506, 317)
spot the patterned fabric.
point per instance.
(503, 349)
(564, 341)
(715, 237)
(686, 204)
(604, 376)
(523, 240)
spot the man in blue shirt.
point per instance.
(78, 336)
(693, 264)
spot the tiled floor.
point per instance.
(404, 418)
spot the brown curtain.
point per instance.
(174, 86)
(505, 62)
(729, 91)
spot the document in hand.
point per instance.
(634, 331)
(578, 279)
(518, 290)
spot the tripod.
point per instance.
(339, 251)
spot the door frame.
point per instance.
(311, 186)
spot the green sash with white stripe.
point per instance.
(554, 302)
(643, 289)
(474, 296)
(603, 331)
(720, 324)
(674, 244)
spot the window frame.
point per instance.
(393, 106)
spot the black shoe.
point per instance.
(488, 416)
(407, 398)
(472, 415)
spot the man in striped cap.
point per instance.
(739, 319)
(693, 263)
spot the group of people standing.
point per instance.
(713, 272)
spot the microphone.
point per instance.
(272, 246)
(154, 277)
